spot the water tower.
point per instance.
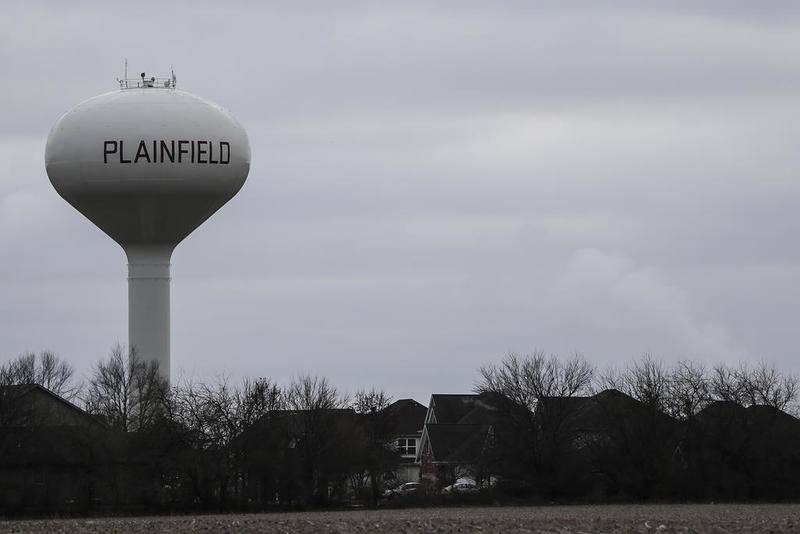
(147, 164)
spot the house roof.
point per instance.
(754, 414)
(407, 417)
(562, 404)
(615, 401)
(456, 443)
(603, 411)
(480, 408)
(48, 408)
(457, 424)
(765, 412)
(294, 420)
(774, 428)
(716, 410)
(450, 408)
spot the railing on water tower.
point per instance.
(144, 82)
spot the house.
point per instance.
(29, 405)
(608, 416)
(459, 431)
(406, 418)
(608, 444)
(49, 450)
(736, 453)
(302, 456)
(307, 456)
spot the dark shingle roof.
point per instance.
(41, 406)
(451, 408)
(718, 410)
(605, 410)
(457, 443)
(483, 408)
(406, 416)
(774, 430)
(562, 405)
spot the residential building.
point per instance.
(459, 428)
(49, 451)
(406, 418)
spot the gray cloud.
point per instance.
(431, 186)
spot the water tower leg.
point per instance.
(148, 303)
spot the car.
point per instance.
(461, 487)
(409, 488)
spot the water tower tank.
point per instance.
(147, 164)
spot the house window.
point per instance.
(407, 446)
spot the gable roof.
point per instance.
(717, 410)
(614, 400)
(406, 416)
(449, 408)
(602, 412)
(765, 412)
(46, 407)
(561, 405)
(456, 425)
(456, 443)
(773, 429)
(482, 408)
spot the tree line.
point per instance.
(558, 429)
(206, 446)
(645, 430)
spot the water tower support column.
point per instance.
(148, 303)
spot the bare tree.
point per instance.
(529, 378)
(730, 384)
(310, 393)
(638, 437)
(204, 415)
(129, 393)
(45, 369)
(220, 412)
(689, 390)
(646, 380)
(762, 384)
(534, 392)
(370, 401)
(214, 420)
(380, 455)
(258, 403)
(771, 387)
(258, 397)
(612, 377)
(324, 436)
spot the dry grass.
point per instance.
(610, 518)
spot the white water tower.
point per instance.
(147, 164)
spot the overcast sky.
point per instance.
(432, 186)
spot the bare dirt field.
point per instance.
(720, 518)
